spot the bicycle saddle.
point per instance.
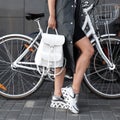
(32, 16)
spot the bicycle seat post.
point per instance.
(39, 25)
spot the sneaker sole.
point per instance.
(58, 104)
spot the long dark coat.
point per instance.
(65, 14)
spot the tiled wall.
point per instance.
(12, 15)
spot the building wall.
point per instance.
(12, 15)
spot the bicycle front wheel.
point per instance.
(17, 82)
(99, 77)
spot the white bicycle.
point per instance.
(103, 74)
(19, 73)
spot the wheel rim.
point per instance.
(14, 82)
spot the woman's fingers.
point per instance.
(52, 22)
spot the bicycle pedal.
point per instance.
(3, 87)
(30, 49)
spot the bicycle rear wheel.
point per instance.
(99, 77)
(17, 82)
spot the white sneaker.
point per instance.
(58, 102)
(71, 99)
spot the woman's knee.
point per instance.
(88, 52)
(91, 51)
(85, 47)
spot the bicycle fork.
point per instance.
(110, 64)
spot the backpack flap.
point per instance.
(53, 39)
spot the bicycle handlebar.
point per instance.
(85, 4)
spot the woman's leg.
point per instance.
(71, 93)
(58, 84)
(57, 99)
(86, 50)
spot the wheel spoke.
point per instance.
(101, 70)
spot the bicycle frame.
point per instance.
(91, 32)
(18, 63)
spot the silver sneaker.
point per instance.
(58, 102)
(71, 99)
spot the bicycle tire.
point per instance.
(99, 77)
(17, 82)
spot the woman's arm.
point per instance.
(52, 15)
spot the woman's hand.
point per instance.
(52, 22)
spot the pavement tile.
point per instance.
(3, 114)
(35, 117)
(13, 115)
(85, 117)
(108, 115)
(37, 111)
(96, 115)
(40, 103)
(104, 108)
(116, 111)
(49, 113)
(26, 111)
(29, 104)
(23, 117)
(17, 106)
(71, 116)
(60, 114)
(7, 106)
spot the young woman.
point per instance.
(65, 16)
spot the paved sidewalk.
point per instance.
(36, 107)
